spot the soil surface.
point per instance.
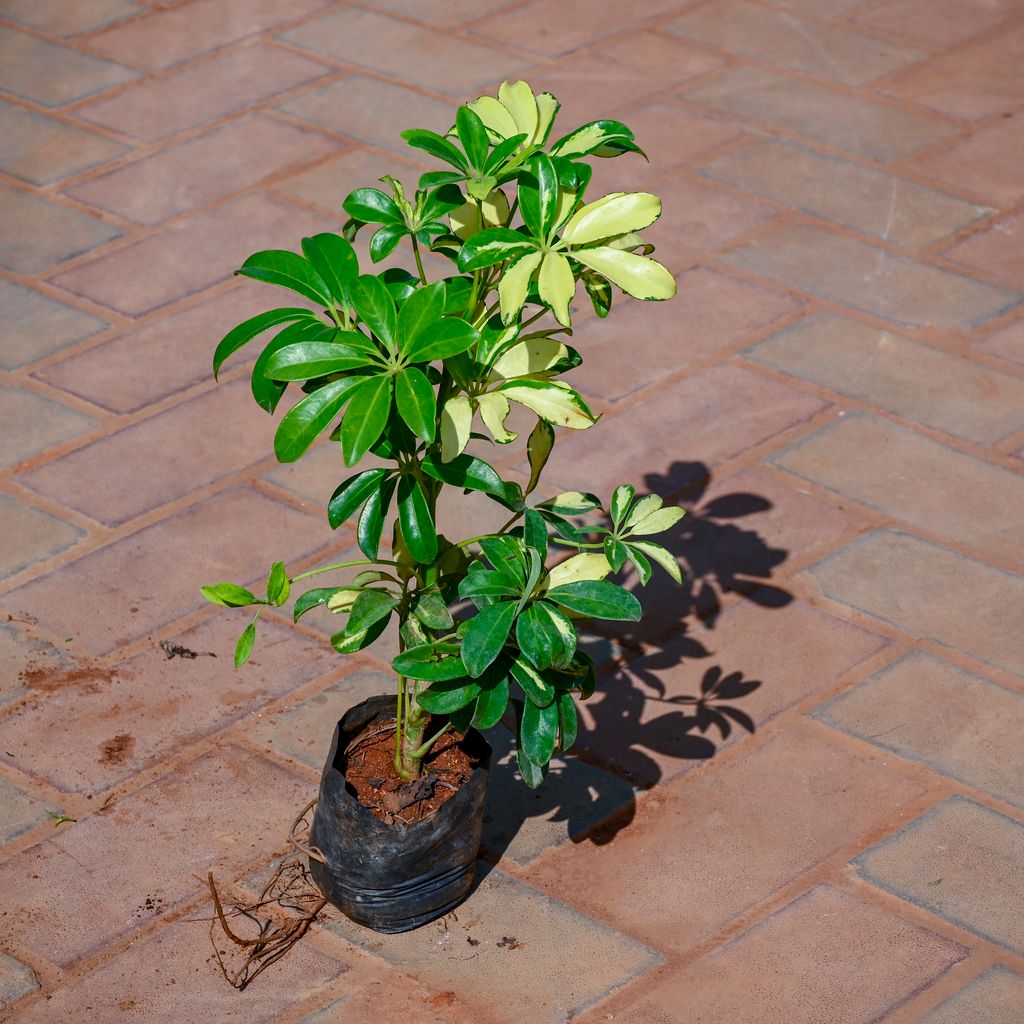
(371, 776)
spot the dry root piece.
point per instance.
(292, 891)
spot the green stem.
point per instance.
(484, 536)
(339, 565)
(419, 262)
(422, 751)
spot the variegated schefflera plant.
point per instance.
(409, 370)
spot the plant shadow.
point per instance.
(634, 732)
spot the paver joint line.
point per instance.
(841, 183)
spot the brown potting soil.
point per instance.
(371, 776)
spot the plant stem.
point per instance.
(483, 536)
(423, 750)
(339, 565)
(419, 262)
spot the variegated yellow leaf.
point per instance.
(495, 117)
(639, 276)
(518, 99)
(584, 566)
(557, 286)
(535, 355)
(613, 215)
(515, 283)
(551, 400)
(456, 423)
(473, 217)
(494, 410)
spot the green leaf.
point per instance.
(430, 662)
(422, 309)
(615, 552)
(371, 521)
(373, 206)
(660, 555)
(568, 722)
(545, 635)
(446, 697)
(414, 397)
(436, 145)
(500, 154)
(370, 606)
(352, 493)
(597, 599)
(535, 532)
(639, 276)
(366, 417)
(287, 270)
(349, 643)
(539, 731)
(229, 595)
(441, 339)
(308, 419)
(640, 563)
(556, 286)
(538, 448)
(307, 360)
(313, 599)
(244, 646)
(622, 497)
(538, 195)
(485, 636)
(376, 308)
(334, 259)
(600, 292)
(415, 520)
(551, 400)
(615, 214)
(252, 328)
(493, 698)
(432, 611)
(465, 471)
(533, 774)
(486, 584)
(265, 391)
(473, 136)
(514, 285)
(534, 685)
(493, 245)
(278, 585)
(385, 240)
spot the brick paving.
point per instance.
(797, 796)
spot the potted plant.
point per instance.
(414, 373)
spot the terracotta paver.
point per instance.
(36, 325)
(886, 467)
(902, 376)
(777, 37)
(930, 591)
(42, 150)
(797, 966)
(101, 878)
(796, 794)
(202, 170)
(954, 721)
(226, 83)
(846, 193)
(875, 280)
(961, 861)
(994, 998)
(866, 128)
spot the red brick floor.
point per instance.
(798, 796)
